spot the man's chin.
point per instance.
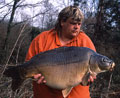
(74, 34)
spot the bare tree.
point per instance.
(99, 20)
(10, 22)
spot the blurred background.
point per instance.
(22, 20)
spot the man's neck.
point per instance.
(64, 40)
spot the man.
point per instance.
(66, 33)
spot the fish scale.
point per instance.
(62, 55)
(63, 68)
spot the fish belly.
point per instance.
(62, 76)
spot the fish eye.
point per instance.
(104, 59)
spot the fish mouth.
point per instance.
(112, 66)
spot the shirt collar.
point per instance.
(58, 41)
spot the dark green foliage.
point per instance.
(108, 21)
(112, 18)
(76, 2)
(34, 32)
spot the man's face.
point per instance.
(70, 28)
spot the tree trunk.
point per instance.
(98, 35)
(10, 24)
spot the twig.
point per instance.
(5, 84)
(20, 47)
(109, 85)
(12, 50)
(6, 5)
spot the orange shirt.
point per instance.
(49, 40)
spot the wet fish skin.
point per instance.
(62, 67)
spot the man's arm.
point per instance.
(32, 51)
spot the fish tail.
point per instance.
(13, 72)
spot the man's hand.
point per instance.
(39, 79)
(91, 79)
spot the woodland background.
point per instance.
(102, 24)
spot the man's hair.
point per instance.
(69, 12)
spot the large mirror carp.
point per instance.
(63, 68)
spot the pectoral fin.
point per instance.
(66, 92)
(85, 79)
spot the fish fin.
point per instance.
(13, 72)
(66, 92)
(85, 79)
(16, 83)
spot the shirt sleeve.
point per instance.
(37, 45)
(85, 41)
(90, 44)
(32, 51)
